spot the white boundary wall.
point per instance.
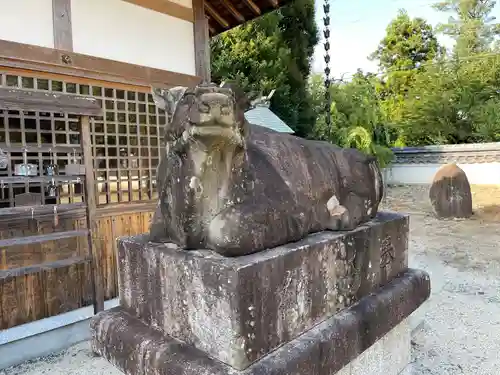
(478, 174)
(418, 165)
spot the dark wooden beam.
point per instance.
(38, 179)
(229, 6)
(39, 74)
(201, 41)
(40, 209)
(31, 147)
(42, 238)
(90, 196)
(216, 16)
(25, 56)
(63, 32)
(125, 208)
(29, 270)
(39, 101)
(253, 7)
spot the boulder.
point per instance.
(450, 193)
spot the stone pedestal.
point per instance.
(307, 308)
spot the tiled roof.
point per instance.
(263, 116)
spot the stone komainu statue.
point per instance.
(238, 188)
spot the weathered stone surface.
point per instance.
(450, 193)
(238, 188)
(325, 349)
(239, 309)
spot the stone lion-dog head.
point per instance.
(207, 116)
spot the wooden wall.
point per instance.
(27, 298)
(109, 227)
(29, 292)
(37, 280)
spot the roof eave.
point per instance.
(225, 15)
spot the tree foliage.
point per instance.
(421, 95)
(455, 103)
(402, 54)
(408, 43)
(470, 24)
(273, 52)
(357, 119)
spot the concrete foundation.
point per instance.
(306, 308)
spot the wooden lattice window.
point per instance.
(126, 140)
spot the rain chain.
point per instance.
(326, 34)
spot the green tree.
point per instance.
(273, 52)
(471, 25)
(316, 92)
(360, 138)
(353, 104)
(429, 114)
(454, 102)
(478, 82)
(357, 120)
(407, 46)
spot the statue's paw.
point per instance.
(226, 235)
(339, 215)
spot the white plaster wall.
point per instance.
(118, 30)
(27, 21)
(478, 174)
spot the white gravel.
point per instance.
(460, 324)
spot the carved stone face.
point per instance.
(207, 116)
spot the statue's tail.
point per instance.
(377, 180)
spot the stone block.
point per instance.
(336, 345)
(237, 310)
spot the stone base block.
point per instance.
(238, 310)
(359, 338)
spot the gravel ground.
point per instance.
(459, 331)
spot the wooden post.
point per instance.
(97, 279)
(63, 32)
(201, 41)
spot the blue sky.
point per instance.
(357, 26)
